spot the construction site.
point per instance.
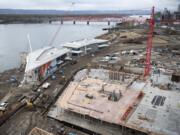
(129, 87)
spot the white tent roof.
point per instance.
(105, 45)
(77, 52)
(42, 56)
(82, 43)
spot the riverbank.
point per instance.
(12, 44)
(49, 18)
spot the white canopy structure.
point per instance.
(42, 56)
(83, 43)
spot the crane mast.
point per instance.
(149, 45)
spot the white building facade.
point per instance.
(42, 63)
(83, 47)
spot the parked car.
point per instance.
(3, 106)
(46, 85)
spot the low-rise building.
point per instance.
(82, 47)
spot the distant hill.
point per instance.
(78, 12)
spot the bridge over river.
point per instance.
(62, 18)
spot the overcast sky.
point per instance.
(89, 4)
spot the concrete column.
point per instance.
(62, 22)
(87, 22)
(109, 22)
(74, 22)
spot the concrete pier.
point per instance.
(74, 22)
(62, 21)
(109, 23)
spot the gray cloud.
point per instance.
(89, 4)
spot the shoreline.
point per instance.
(46, 18)
(22, 46)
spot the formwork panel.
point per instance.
(75, 99)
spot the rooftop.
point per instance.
(83, 43)
(92, 97)
(42, 56)
(158, 111)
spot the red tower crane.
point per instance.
(149, 45)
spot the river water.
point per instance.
(13, 38)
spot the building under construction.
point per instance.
(108, 102)
(124, 82)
